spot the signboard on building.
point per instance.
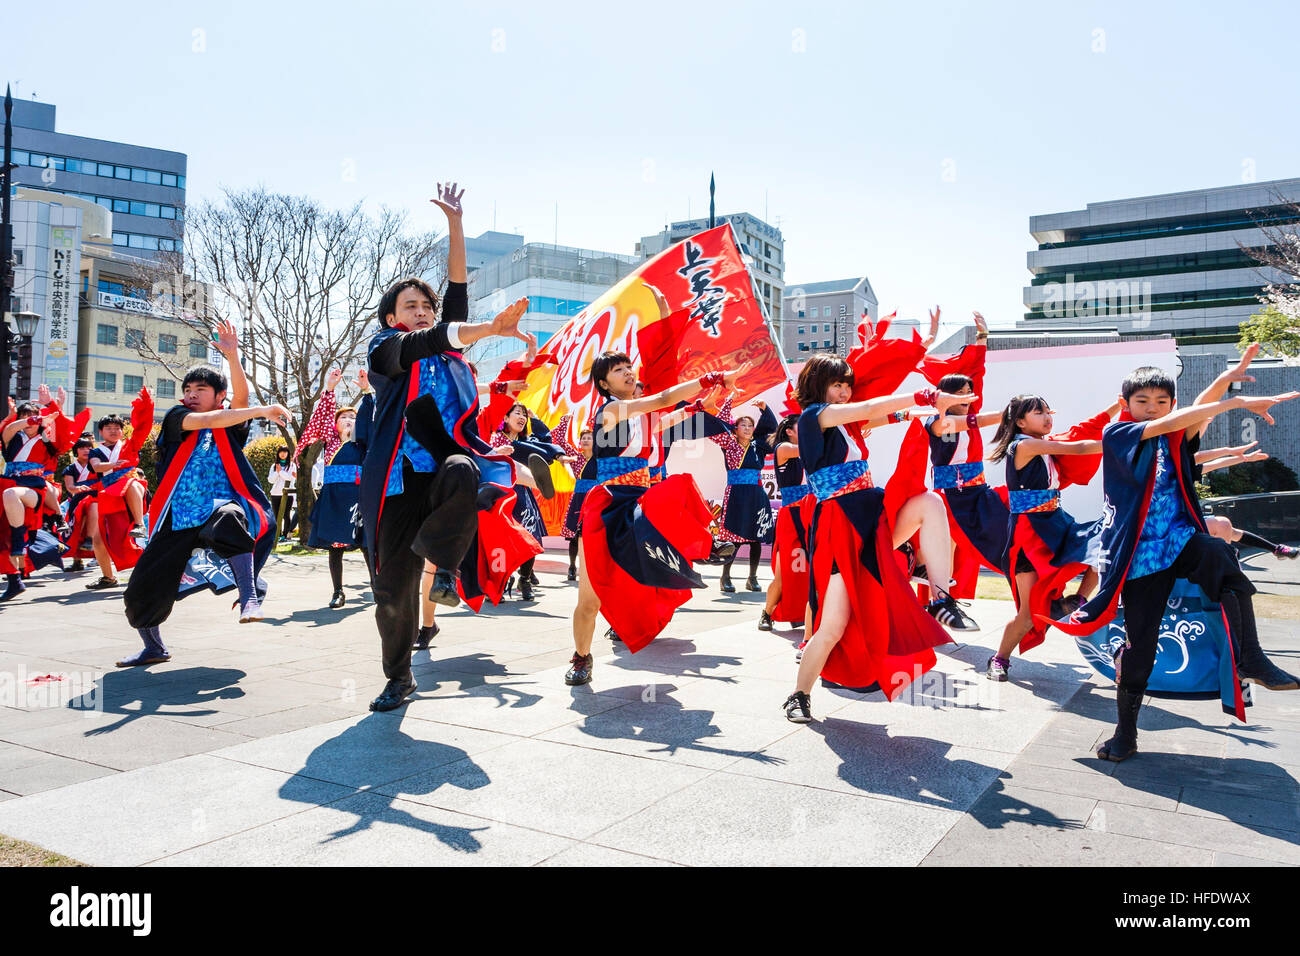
(61, 322)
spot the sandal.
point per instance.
(103, 583)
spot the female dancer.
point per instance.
(1046, 547)
(583, 466)
(638, 542)
(746, 513)
(869, 628)
(532, 443)
(334, 516)
(787, 595)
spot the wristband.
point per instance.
(925, 396)
(972, 422)
(695, 406)
(498, 388)
(712, 380)
(900, 416)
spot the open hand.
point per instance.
(277, 414)
(43, 394)
(332, 379)
(1261, 405)
(506, 322)
(1238, 372)
(731, 377)
(226, 339)
(363, 380)
(946, 400)
(449, 200)
(981, 324)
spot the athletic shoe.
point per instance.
(765, 622)
(613, 635)
(1285, 551)
(573, 574)
(337, 600)
(139, 533)
(395, 694)
(426, 636)
(997, 668)
(947, 611)
(798, 708)
(102, 583)
(541, 472)
(443, 589)
(579, 670)
(532, 579)
(252, 611)
(798, 651)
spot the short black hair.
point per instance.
(82, 443)
(1148, 376)
(206, 375)
(600, 369)
(818, 374)
(954, 383)
(27, 409)
(113, 419)
(388, 304)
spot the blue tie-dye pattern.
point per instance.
(1166, 529)
(435, 380)
(200, 485)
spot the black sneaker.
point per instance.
(426, 636)
(102, 583)
(573, 574)
(726, 585)
(613, 635)
(443, 589)
(765, 622)
(752, 584)
(77, 566)
(798, 708)
(542, 475)
(579, 670)
(337, 600)
(525, 589)
(394, 695)
(947, 611)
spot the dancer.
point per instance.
(746, 513)
(1046, 547)
(420, 481)
(27, 452)
(208, 501)
(334, 520)
(869, 629)
(113, 461)
(638, 541)
(787, 595)
(530, 443)
(120, 506)
(82, 484)
(582, 464)
(1153, 533)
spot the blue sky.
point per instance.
(908, 142)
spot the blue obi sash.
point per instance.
(342, 475)
(608, 469)
(15, 468)
(794, 493)
(743, 476)
(1027, 502)
(828, 482)
(958, 476)
(583, 485)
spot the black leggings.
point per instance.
(289, 513)
(755, 555)
(573, 552)
(336, 566)
(526, 569)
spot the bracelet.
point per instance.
(498, 388)
(925, 396)
(981, 335)
(902, 416)
(712, 380)
(972, 422)
(695, 406)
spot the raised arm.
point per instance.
(449, 202)
(1219, 387)
(669, 397)
(1185, 418)
(321, 425)
(226, 339)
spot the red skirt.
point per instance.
(501, 545)
(790, 553)
(1051, 583)
(637, 548)
(889, 638)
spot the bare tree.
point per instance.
(1277, 326)
(302, 284)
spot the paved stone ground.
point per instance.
(254, 745)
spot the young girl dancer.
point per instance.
(532, 445)
(1046, 547)
(638, 542)
(787, 595)
(869, 628)
(582, 464)
(334, 518)
(746, 513)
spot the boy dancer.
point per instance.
(420, 497)
(1152, 532)
(208, 498)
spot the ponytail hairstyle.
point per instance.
(1008, 430)
(787, 431)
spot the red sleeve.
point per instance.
(1080, 469)
(321, 425)
(969, 362)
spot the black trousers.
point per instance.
(151, 592)
(290, 513)
(1206, 561)
(435, 518)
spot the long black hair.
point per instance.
(789, 426)
(1008, 430)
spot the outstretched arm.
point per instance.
(226, 339)
(225, 417)
(1030, 448)
(1219, 387)
(880, 408)
(449, 202)
(1186, 418)
(669, 397)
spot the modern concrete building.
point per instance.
(823, 316)
(559, 281)
(484, 248)
(759, 241)
(1170, 263)
(143, 187)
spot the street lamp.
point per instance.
(26, 322)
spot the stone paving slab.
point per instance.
(254, 745)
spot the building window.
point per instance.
(826, 344)
(166, 388)
(134, 339)
(198, 349)
(105, 381)
(826, 312)
(801, 327)
(131, 384)
(106, 335)
(803, 346)
(167, 344)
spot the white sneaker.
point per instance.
(798, 651)
(252, 611)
